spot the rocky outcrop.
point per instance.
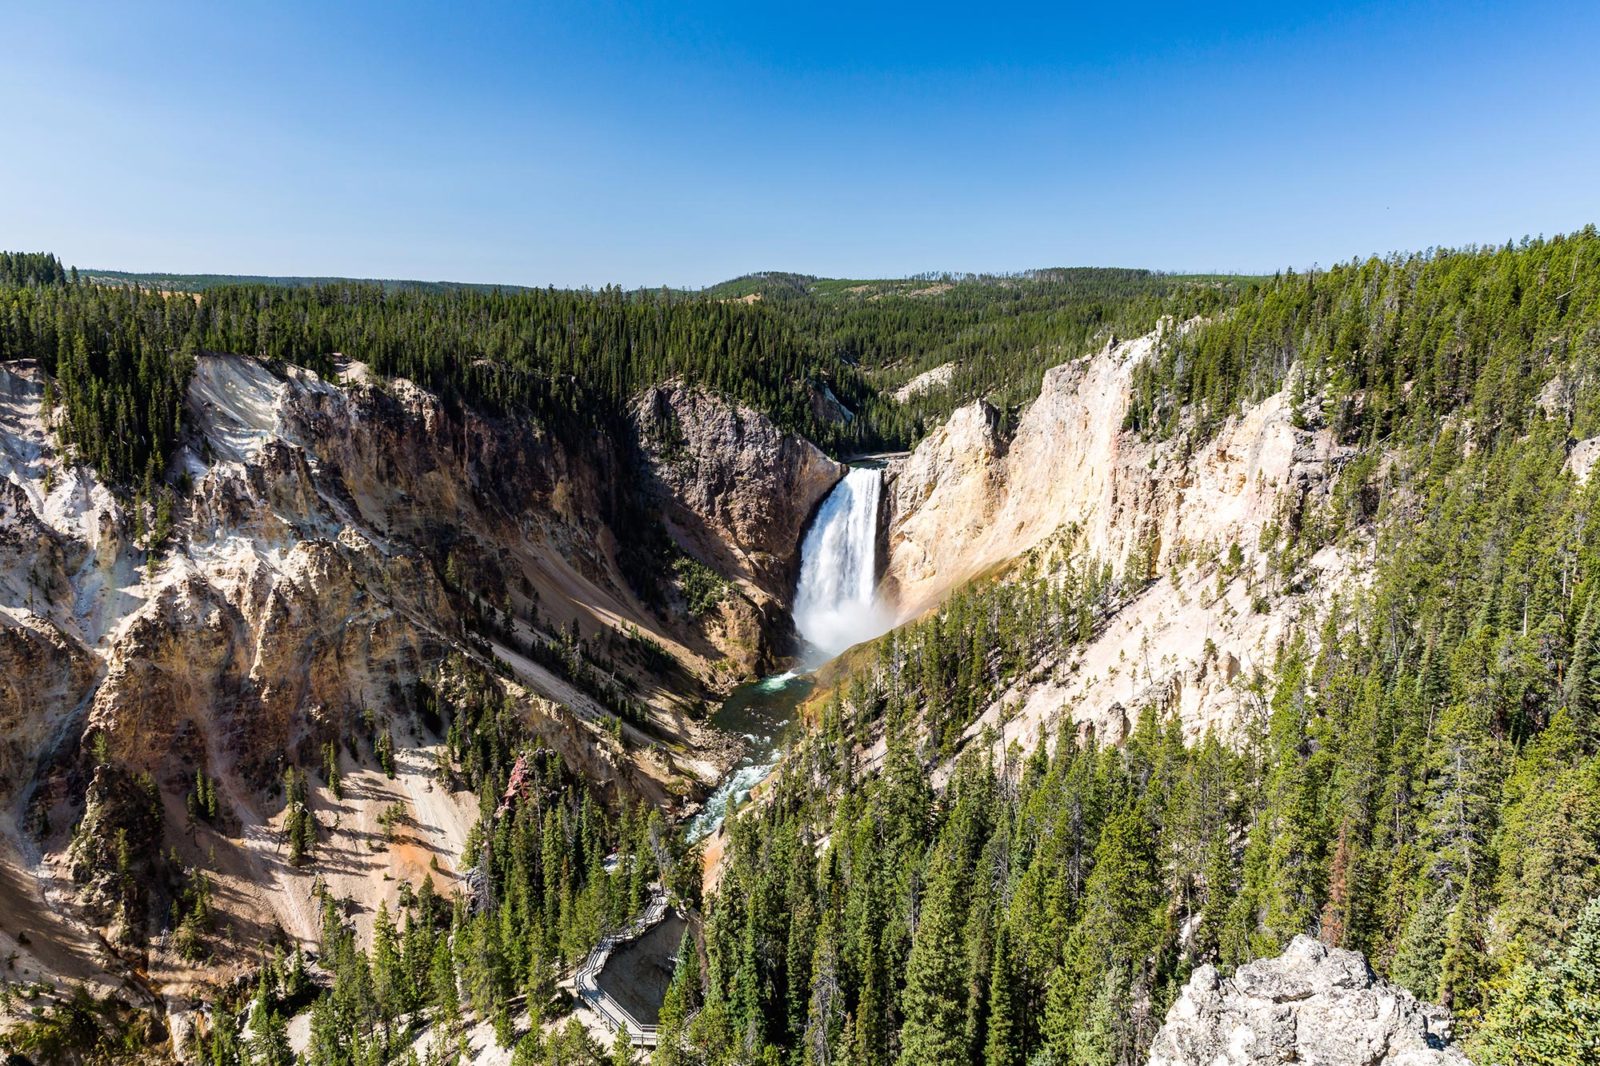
(1311, 1005)
(1581, 457)
(927, 381)
(735, 493)
(943, 501)
(43, 672)
(116, 854)
(735, 489)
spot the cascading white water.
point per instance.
(835, 604)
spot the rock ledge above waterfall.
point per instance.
(1312, 1005)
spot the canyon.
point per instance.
(311, 587)
(344, 544)
(308, 582)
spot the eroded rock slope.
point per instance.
(1200, 517)
(335, 549)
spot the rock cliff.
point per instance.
(733, 485)
(1310, 1005)
(735, 493)
(330, 545)
(1199, 516)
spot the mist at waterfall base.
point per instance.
(835, 606)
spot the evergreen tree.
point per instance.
(1004, 1044)
(269, 1040)
(935, 993)
(1551, 1013)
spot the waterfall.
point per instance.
(834, 604)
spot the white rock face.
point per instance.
(967, 502)
(1311, 1005)
(1581, 458)
(927, 381)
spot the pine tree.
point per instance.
(223, 1046)
(269, 1040)
(442, 981)
(1463, 966)
(1336, 911)
(388, 974)
(1551, 1013)
(539, 983)
(1103, 1039)
(934, 1000)
(622, 1048)
(1546, 852)
(299, 824)
(330, 770)
(681, 999)
(1004, 1043)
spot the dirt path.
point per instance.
(551, 686)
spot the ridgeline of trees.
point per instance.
(1392, 346)
(1001, 333)
(31, 268)
(120, 356)
(118, 359)
(199, 283)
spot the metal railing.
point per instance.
(587, 984)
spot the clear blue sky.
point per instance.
(684, 143)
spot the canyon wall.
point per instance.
(330, 545)
(735, 493)
(968, 502)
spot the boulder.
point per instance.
(1314, 1005)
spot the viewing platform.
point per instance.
(641, 961)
